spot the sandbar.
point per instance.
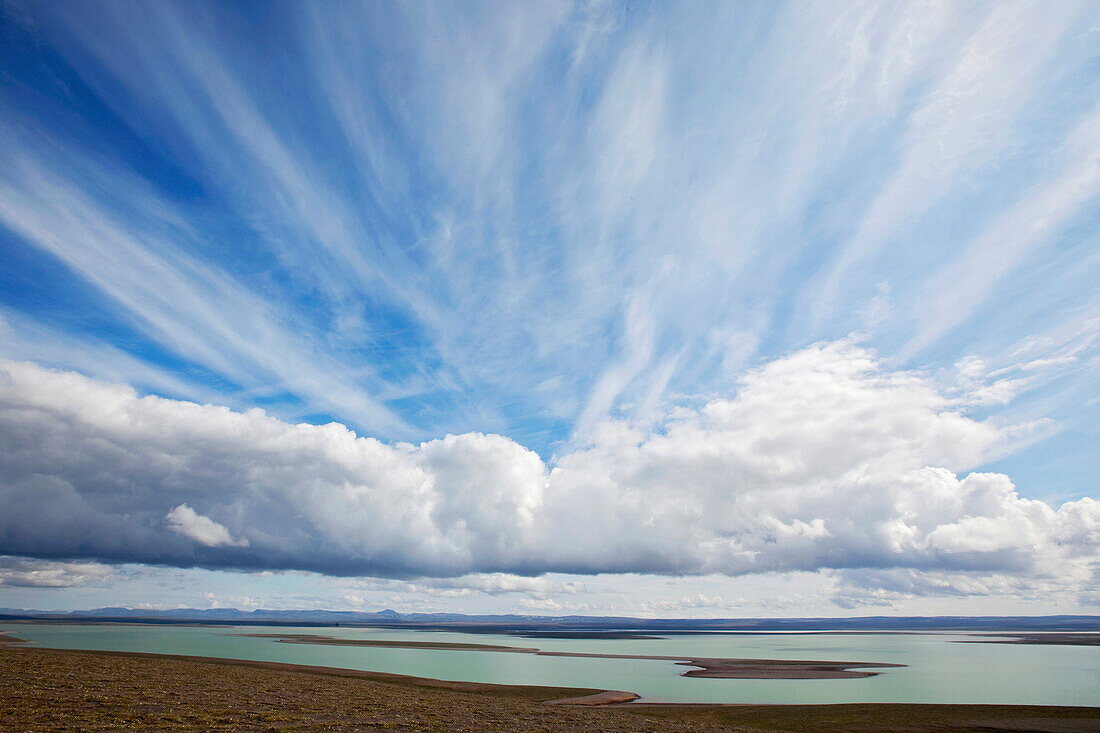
(712, 667)
(387, 644)
(1050, 638)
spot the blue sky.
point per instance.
(655, 268)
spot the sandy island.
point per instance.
(713, 667)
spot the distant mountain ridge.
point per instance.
(514, 622)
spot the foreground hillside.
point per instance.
(49, 690)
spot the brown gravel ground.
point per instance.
(50, 690)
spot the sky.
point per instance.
(655, 309)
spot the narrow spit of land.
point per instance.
(1052, 638)
(713, 667)
(55, 690)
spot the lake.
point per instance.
(939, 669)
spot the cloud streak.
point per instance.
(21, 572)
(567, 202)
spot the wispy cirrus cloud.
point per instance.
(962, 124)
(567, 190)
(140, 262)
(959, 289)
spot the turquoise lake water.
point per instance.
(939, 670)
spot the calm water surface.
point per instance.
(938, 670)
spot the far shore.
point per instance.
(712, 667)
(1051, 638)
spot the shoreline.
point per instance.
(384, 677)
(539, 627)
(55, 689)
(432, 682)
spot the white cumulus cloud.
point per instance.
(203, 530)
(823, 459)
